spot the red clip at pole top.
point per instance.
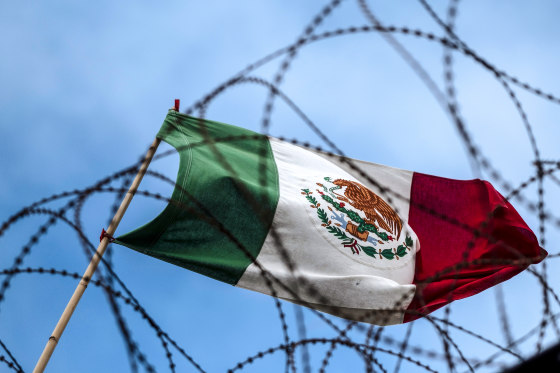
(176, 107)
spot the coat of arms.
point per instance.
(359, 218)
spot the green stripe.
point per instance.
(219, 203)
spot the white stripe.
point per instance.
(349, 284)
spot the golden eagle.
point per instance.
(376, 210)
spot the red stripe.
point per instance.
(445, 270)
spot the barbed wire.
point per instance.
(377, 345)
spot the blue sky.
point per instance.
(85, 87)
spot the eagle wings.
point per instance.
(376, 210)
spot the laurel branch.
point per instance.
(350, 242)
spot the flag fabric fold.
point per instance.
(355, 239)
(481, 242)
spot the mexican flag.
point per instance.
(358, 240)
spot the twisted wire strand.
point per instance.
(375, 341)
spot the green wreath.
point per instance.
(350, 242)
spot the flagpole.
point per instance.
(88, 274)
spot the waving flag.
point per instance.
(354, 239)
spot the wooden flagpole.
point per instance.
(88, 274)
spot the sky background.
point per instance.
(84, 89)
